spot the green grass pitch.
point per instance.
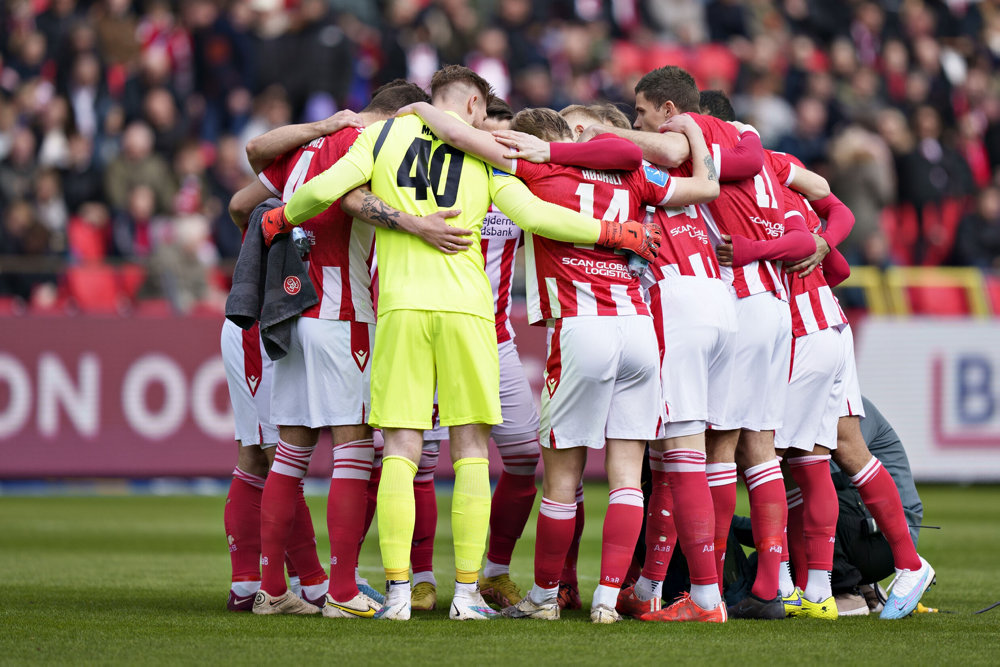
(144, 580)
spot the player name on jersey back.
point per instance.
(567, 280)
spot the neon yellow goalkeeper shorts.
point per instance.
(418, 350)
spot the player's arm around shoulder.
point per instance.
(434, 229)
(703, 184)
(454, 132)
(669, 149)
(320, 192)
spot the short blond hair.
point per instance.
(611, 115)
(543, 123)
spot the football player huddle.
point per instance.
(683, 275)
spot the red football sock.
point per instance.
(693, 512)
(661, 533)
(241, 519)
(768, 516)
(302, 545)
(569, 570)
(821, 508)
(881, 497)
(379, 444)
(722, 485)
(425, 526)
(279, 512)
(513, 498)
(622, 524)
(795, 539)
(553, 536)
(345, 513)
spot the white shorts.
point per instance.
(602, 381)
(695, 321)
(324, 380)
(816, 392)
(763, 355)
(248, 373)
(517, 405)
(852, 405)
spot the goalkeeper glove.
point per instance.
(641, 238)
(273, 223)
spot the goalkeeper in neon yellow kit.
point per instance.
(435, 316)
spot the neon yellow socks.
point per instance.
(470, 516)
(396, 512)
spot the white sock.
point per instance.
(245, 588)
(358, 579)
(647, 589)
(397, 591)
(495, 569)
(294, 586)
(606, 595)
(539, 595)
(706, 596)
(818, 586)
(785, 584)
(315, 591)
(425, 577)
(466, 590)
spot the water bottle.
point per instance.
(301, 241)
(636, 264)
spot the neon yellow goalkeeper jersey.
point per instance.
(414, 171)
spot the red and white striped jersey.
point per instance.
(567, 280)
(500, 241)
(751, 208)
(812, 303)
(685, 249)
(342, 249)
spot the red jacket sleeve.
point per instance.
(839, 219)
(604, 152)
(742, 162)
(795, 244)
(835, 268)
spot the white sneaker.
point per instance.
(528, 608)
(470, 606)
(906, 589)
(602, 613)
(288, 603)
(360, 606)
(397, 604)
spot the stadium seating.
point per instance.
(93, 289)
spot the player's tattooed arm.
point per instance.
(703, 184)
(376, 210)
(710, 165)
(434, 229)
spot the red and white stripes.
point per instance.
(519, 458)
(623, 496)
(290, 460)
(253, 480)
(793, 497)
(353, 460)
(428, 462)
(557, 511)
(684, 460)
(868, 473)
(720, 474)
(800, 461)
(763, 473)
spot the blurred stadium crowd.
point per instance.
(123, 122)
